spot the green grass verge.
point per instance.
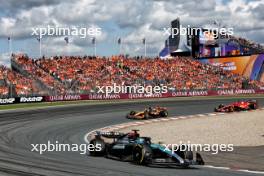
(94, 102)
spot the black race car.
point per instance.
(140, 150)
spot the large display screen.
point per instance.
(207, 37)
(249, 66)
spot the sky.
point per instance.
(130, 20)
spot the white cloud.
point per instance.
(5, 59)
(140, 19)
(154, 39)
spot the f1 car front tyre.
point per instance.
(164, 113)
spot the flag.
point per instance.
(93, 40)
(119, 41)
(66, 39)
(144, 41)
(166, 43)
(164, 52)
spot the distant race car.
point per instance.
(243, 105)
(148, 113)
(140, 150)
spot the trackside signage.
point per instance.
(155, 95)
(30, 99)
(65, 97)
(7, 100)
(104, 96)
(94, 96)
(4, 101)
(236, 92)
(190, 93)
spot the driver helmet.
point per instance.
(133, 135)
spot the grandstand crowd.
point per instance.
(75, 74)
(13, 82)
(247, 46)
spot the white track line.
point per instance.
(164, 119)
(130, 124)
(201, 115)
(216, 167)
(174, 118)
(212, 114)
(182, 117)
(251, 171)
(239, 170)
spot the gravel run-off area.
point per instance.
(239, 129)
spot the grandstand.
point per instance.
(13, 83)
(81, 75)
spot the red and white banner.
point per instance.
(160, 95)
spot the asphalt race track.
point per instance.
(18, 130)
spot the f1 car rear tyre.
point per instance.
(231, 109)
(199, 159)
(132, 113)
(142, 155)
(189, 155)
(221, 106)
(96, 152)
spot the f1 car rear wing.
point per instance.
(111, 134)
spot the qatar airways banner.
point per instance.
(160, 95)
(229, 92)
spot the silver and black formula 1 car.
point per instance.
(140, 150)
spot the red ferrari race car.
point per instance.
(243, 105)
